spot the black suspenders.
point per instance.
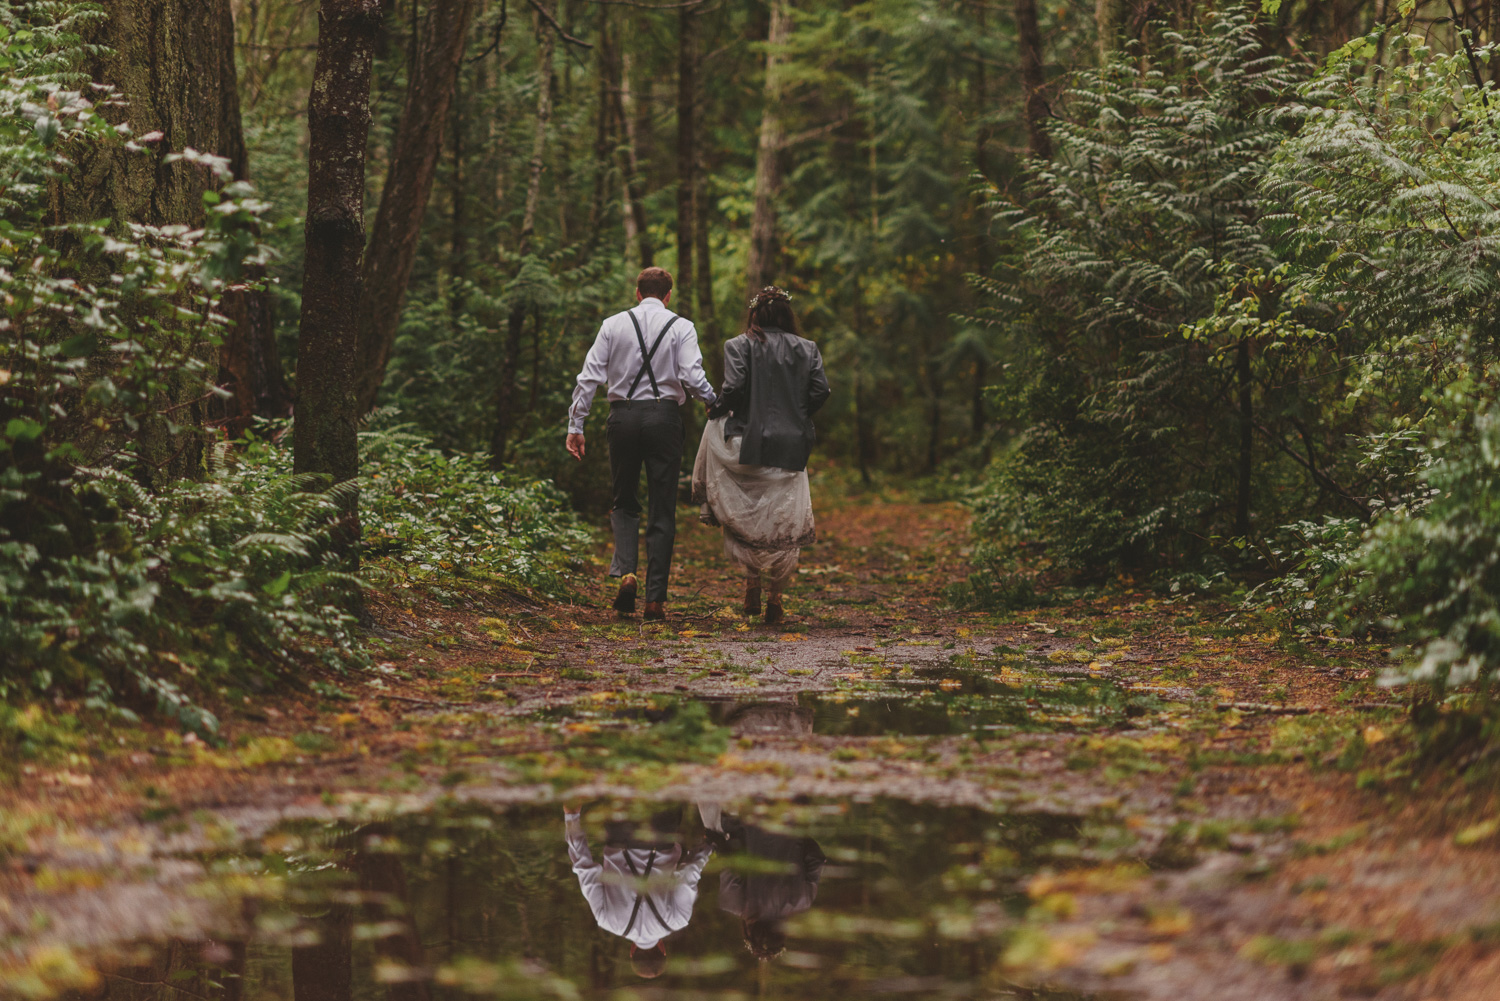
(646, 356)
(650, 859)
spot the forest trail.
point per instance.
(1048, 796)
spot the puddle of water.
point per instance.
(926, 702)
(806, 901)
(936, 702)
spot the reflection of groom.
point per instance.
(644, 886)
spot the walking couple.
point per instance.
(750, 477)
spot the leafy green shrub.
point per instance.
(131, 598)
(1435, 564)
(229, 580)
(425, 512)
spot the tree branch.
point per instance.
(1319, 477)
(494, 45)
(547, 16)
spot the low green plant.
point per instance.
(994, 586)
(426, 513)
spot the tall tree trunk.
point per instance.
(507, 393)
(1033, 79)
(382, 882)
(1110, 16)
(324, 970)
(173, 62)
(408, 185)
(458, 199)
(338, 120)
(934, 421)
(760, 268)
(249, 362)
(687, 156)
(1247, 433)
(864, 433)
(983, 113)
(976, 400)
(603, 113)
(635, 194)
(708, 326)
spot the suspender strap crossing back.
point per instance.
(646, 356)
(635, 911)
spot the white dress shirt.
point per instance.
(615, 359)
(666, 897)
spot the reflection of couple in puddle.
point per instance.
(644, 886)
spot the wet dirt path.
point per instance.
(934, 803)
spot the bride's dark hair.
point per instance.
(771, 308)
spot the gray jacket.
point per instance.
(772, 388)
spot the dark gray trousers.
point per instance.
(645, 433)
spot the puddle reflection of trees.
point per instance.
(805, 900)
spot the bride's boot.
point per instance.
(774, 612)
(752, 596)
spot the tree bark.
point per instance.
(382, 881)
(1033, 79)
(249, 362)
(458, 201)
(1247, 439)
(635, 195)
(687, 156)
(934, 421)
(324, 971)
(761, 266)
(976, 400)
(1110, 16)
(338, 121)
(708, 328)
(408, 186)
(173, 62)
(603, 112)
(507, 392)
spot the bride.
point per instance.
(751, 471)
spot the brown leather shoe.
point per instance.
(774, 611)
(656, 611)
(752, 600)
(625, 600)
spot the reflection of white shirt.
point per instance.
(666, 898)
(615, 360)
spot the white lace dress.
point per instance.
(765, 511)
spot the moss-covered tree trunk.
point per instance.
(338, 120)
(173, 63)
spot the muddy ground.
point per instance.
(1242, 813)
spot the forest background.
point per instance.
(1201, 294)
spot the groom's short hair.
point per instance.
(655, 282)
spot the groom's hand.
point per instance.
(575, 446)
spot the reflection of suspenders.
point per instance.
(646, 356)
(650, 862)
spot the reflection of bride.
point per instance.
(764, 896)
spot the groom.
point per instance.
(649, 361)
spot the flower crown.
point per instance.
(770, 294)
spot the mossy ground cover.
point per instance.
(1274, 807)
